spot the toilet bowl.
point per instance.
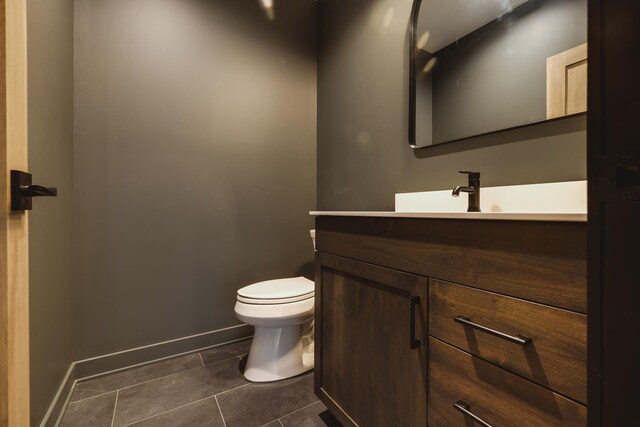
(281, 312)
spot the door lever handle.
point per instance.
(22, 191)
(35, 190)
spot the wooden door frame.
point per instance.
(14, 250)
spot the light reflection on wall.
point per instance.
(388, 17)
(269, 10)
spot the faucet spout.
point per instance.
(456, 191)
(472, 189)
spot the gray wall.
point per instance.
(50, 82)
(496, 77)
(195, 161)
(363, 156)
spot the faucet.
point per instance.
(473, 189)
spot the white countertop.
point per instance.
(567, 217)
(554, 201)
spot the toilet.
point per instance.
(281, 312)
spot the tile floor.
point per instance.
(199, 389)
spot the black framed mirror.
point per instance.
(484, 66)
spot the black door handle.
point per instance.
(35, 190)
(22, 191)
(413, 341)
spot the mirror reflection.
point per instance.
(480, 66)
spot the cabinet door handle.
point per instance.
(413, 341)
(517, 339)
(465, 408)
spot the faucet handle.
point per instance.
(472, 175)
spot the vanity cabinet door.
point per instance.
(370, 366)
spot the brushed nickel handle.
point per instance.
(517, 339)
(465, 408)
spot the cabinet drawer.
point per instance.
(493, 394)
(536, 261)
(556, 355)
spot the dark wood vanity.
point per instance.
(419, 320)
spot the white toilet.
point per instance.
(281, 312)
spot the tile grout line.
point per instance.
(160, 378)
(115, 405)
(277, 419)
(232, 389)
(190, 403)
(73, 402)
(201, 359)
(137, 384)
(170, 410)
(154, 379)
(217, 404)
(224, 423)
(298, 410)
(215, 396)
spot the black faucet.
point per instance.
(473, 189)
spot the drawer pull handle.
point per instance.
(518, 339)
(413, 341)
(465, 408)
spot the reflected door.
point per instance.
(567, 82)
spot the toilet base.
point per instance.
(280, 352)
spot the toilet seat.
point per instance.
(278, 291)
(274, 301)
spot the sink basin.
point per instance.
(550, 198)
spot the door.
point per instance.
(613, 153)
(567, 82)
(14, 267)
(371, 366)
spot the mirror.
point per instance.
(481, 66)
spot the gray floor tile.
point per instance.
(227, 351)
(257, 404)
(315, 415)
(154, 397)
(96, 412)
(134, 376)
(204, 413)
(275, 423)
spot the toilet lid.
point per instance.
(277, 291)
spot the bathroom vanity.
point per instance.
(441, 319)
